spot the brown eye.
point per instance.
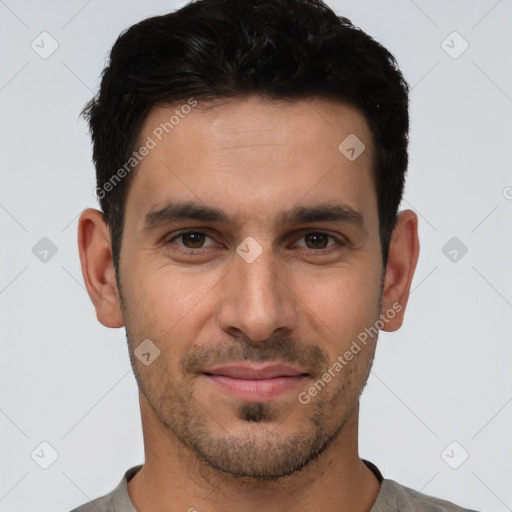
(317, 240)
(192, 239)
(191, 244)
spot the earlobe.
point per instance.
(97, 267)
(403, 257)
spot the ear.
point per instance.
(403, 255)
(94, 246)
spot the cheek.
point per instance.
(340, 305)
(165, 305)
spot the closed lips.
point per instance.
(252, 383)
(255, 373)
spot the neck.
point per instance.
(173, 479)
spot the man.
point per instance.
(250, 161)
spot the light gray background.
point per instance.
(444, 377)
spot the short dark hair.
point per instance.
(222, 49)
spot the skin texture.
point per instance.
(302, 301)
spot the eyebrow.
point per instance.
(325, 212)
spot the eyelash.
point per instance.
(326, 250)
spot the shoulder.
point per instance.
(399, 497)
(116, 501)
(98, 505)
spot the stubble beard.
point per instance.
(260, 452)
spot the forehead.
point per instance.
(254, 154)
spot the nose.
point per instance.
(256, 299)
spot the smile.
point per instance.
(255, 383)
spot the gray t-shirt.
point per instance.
(392, 497)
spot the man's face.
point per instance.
(249, 314)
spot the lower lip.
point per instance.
(256, 390)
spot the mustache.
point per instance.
(277, 348)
